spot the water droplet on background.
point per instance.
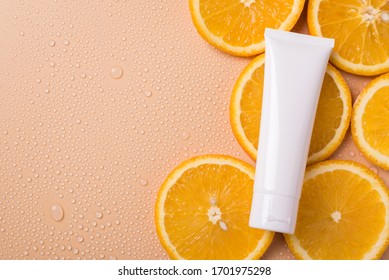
(57, 212)
(116, 72)
(99, 215)
(143, 182)
(374, 169)
(185, 135)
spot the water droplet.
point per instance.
(185, 135)
(374, 169)
(80, 239)
(99, 215)
(57, 212)
(51, 43)
(116, 72)
(222, 225)
(148, 93)
(65, 42)
(143, 182)
(385, 16)
(78, 121)
(352, 154)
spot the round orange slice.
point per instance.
(370, 121)
(202, 211)
(332, 117)
(361, 33)
(343, 213)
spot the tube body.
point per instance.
(295, 65)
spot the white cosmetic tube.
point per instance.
(295, 65)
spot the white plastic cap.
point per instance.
(274, 212)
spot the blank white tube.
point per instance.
(295, 65)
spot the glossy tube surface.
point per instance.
(295, 65)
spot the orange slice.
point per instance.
(332, 117)
(360, 29)
(370, 121)
(202, 211)
(237, 26)
(343, 213)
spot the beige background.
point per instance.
(99, 100)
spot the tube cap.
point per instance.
(274, 212)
